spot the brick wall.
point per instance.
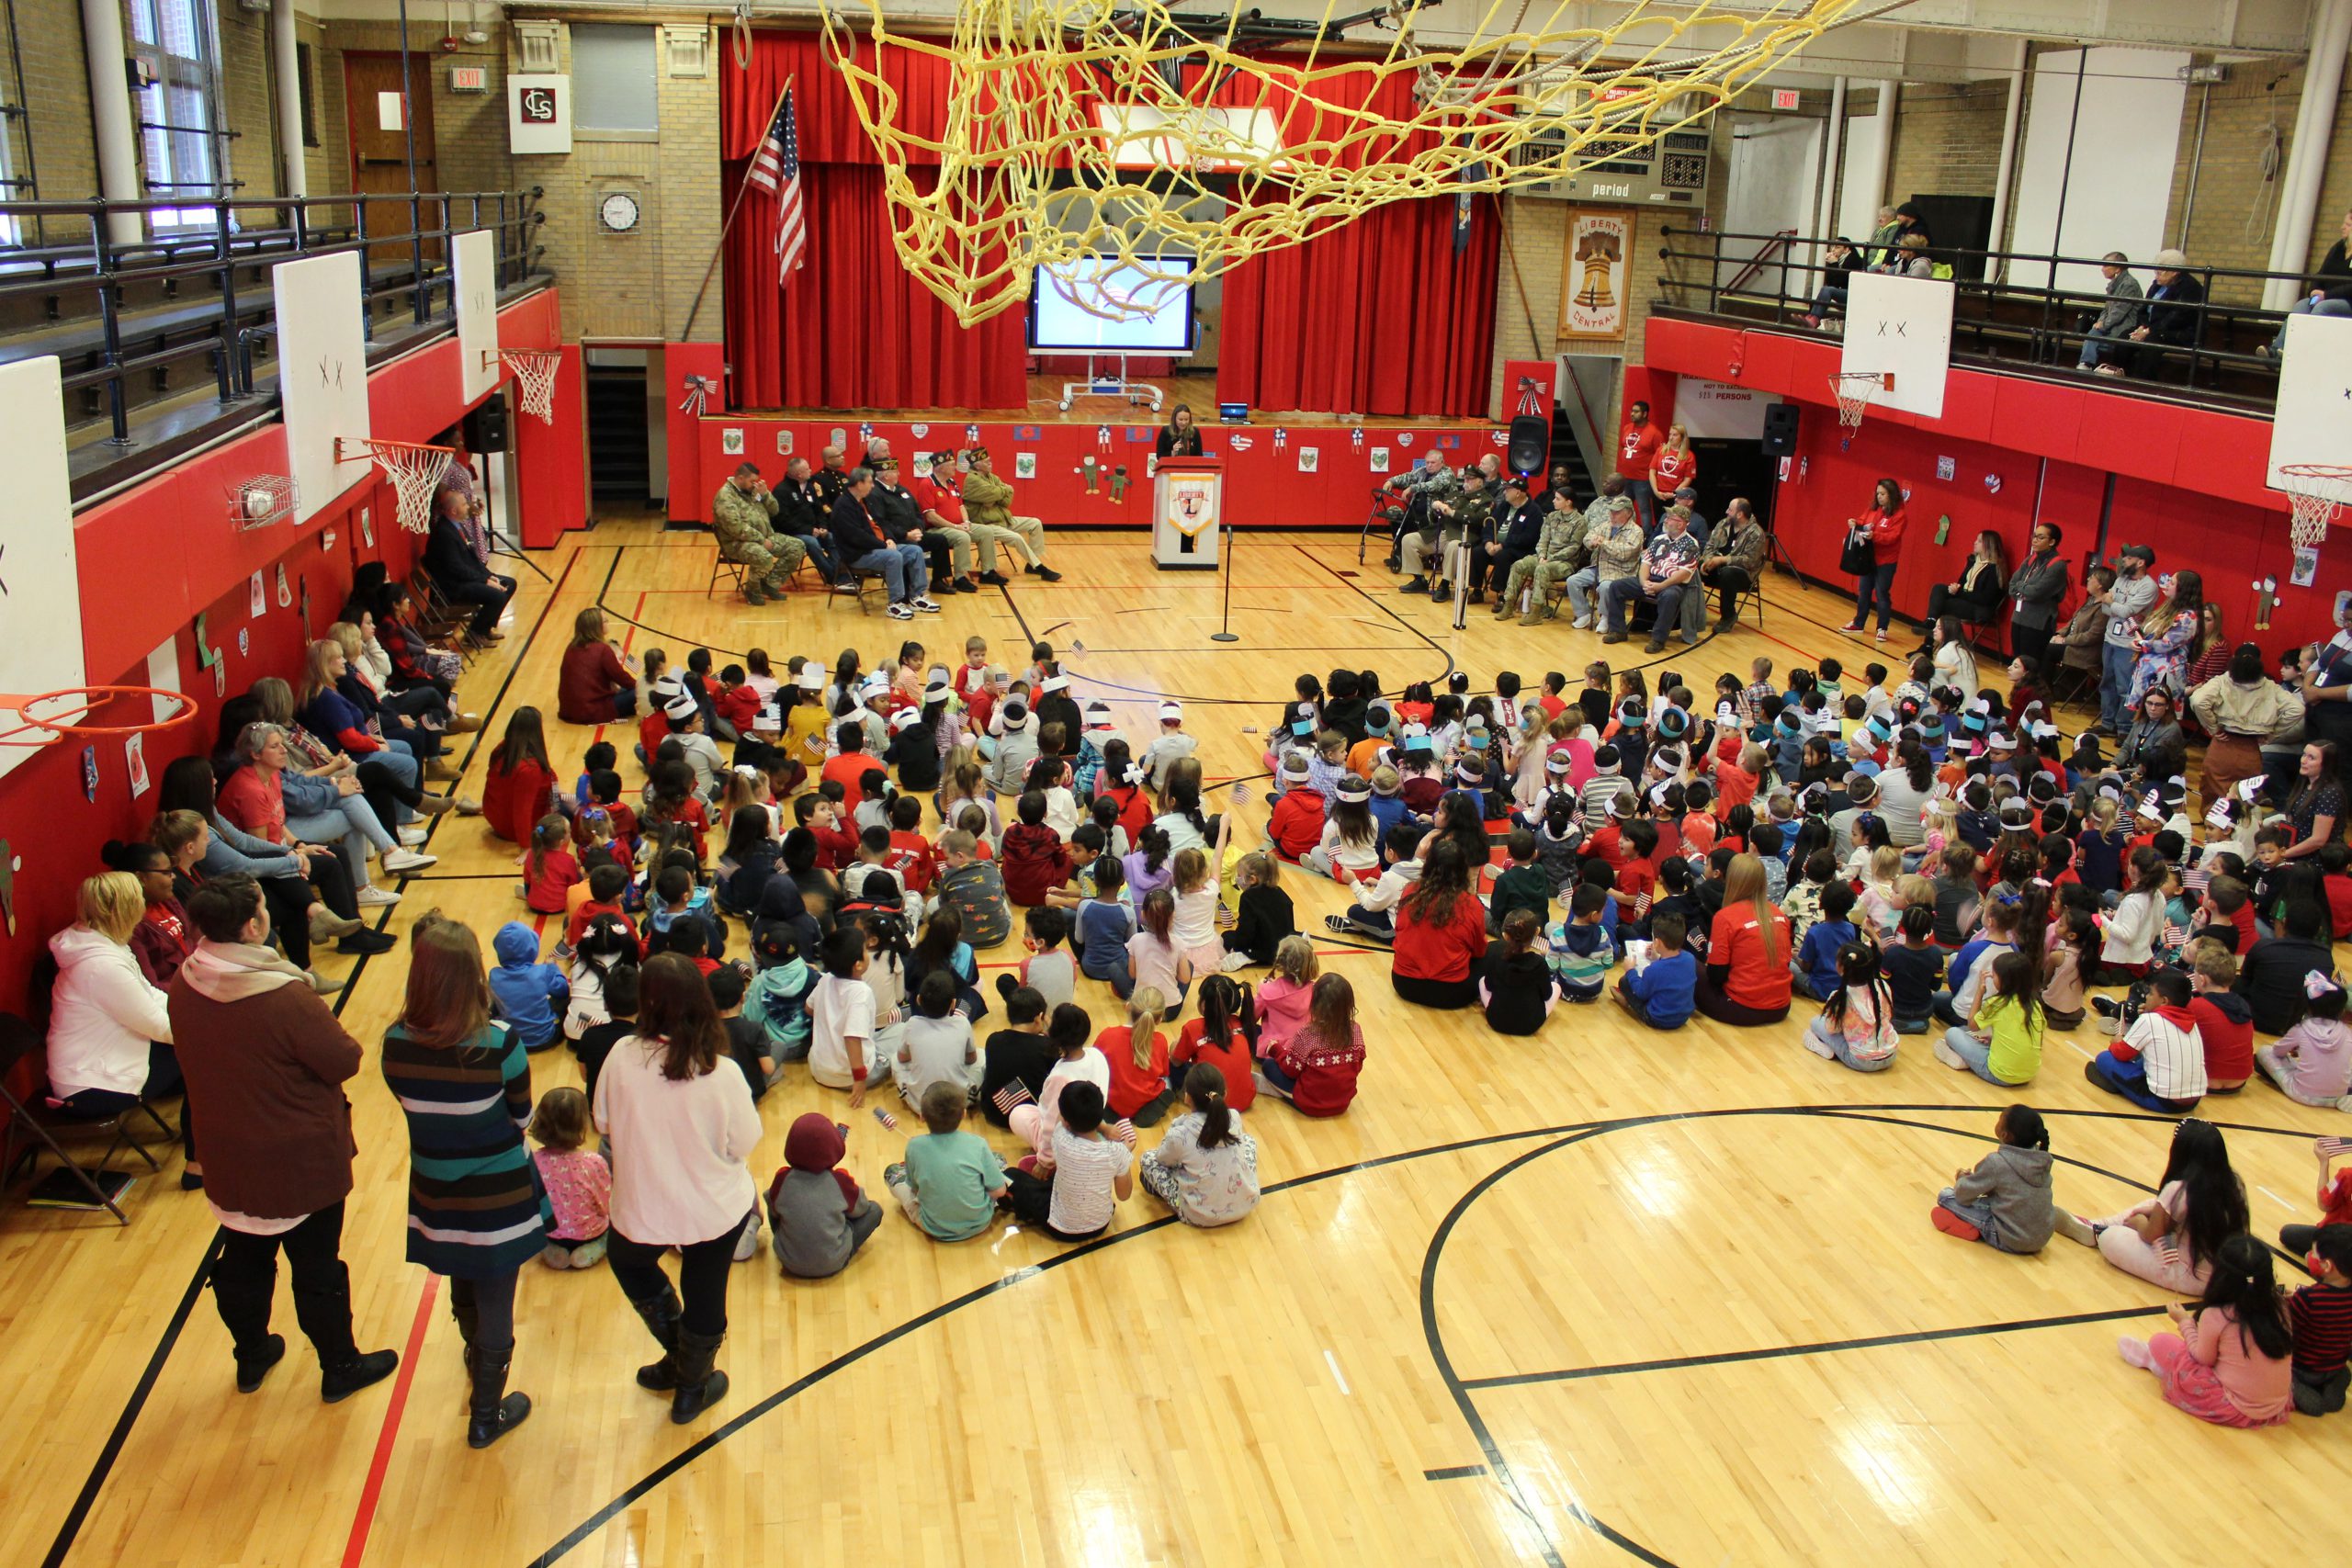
(57, 101)
(1947, 138)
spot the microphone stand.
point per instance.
(1225, 632)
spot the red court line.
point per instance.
(626, 642)
(370, 1494)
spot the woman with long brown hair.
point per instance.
(1440, 932)
(520, 788)
(1747, 977)
(598, 682)
(682, 1123)
(476, 1211)
(2168, 628)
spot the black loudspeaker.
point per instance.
(1780, 430)
(1531, 442)
(486, 426)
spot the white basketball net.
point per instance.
(1854, 389)
(415, 473)
(534, 375)
(2316, 491)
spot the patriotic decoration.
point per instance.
(1013, 1094)
(1281, 437)
(1240, 444)
(775, 168)
(971, 432)
(1102, 436)
(698, 391)
(866, 431)
(1355, 438)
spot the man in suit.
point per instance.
(1513, 532)
(865, 544)
(459, 573)
(800, 512)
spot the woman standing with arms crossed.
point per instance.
(476, 1211)
(682, 1123)
(1881, 529)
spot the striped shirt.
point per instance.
(476, 1208)
(2322, 1316)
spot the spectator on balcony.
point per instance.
(1839, 262)
(2174, 319)
(1909, 258)
(2330, 293)
(2036, 590)
(1975, 594)
(2116, 319)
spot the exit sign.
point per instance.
(469, 79)
(1785, 97)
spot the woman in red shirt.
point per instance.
(1675, 466)
(596, 684)
(1747, 977)
(521, 784)
(1883, 526)
(1440, 932)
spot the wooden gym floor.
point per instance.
(1594, 1295)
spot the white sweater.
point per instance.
(678, 1148)
(102, 1016)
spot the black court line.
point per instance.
(102, 1468)
(1561, 1135)
(1455, 1473)
(1822, 1347)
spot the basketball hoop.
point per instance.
(414, 468)
(261, 501)
(44, 720)
(1854, 389)
(2317, 491)
(535, 371)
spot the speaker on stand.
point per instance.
(1781, 423)
(1531, 433)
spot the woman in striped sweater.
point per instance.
(476, 1210)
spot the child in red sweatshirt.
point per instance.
(736, 704)
(910, 856)
(605, 886)
(1296, 824)
(1032, 857)
(550, 869)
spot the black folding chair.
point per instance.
(35, 1124)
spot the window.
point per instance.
(179, 113)
(310, 94)
(612, 79)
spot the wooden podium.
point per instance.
(1187, 511)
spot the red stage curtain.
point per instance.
(1378, 318)
(854, 330)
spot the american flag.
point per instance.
(775, 168)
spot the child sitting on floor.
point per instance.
(951, 1179)
(2229, 1363)
(579, 1182)
(1263, 914)
(1206, 1167)
(1316, 1068)
(2004, 1201)
(818, 1217)
(1283, 999)
(1662, 989)
(2312, 1061)
(2002, 1044)
(1514, 982)
(1856, 1025)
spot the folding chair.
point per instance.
(732, 571)
(856, 582)
(35, 1124)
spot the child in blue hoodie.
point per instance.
(778, 999)
(528, 993)
(1815, 969)
(1663, 993)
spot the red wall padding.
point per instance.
(1263, 486)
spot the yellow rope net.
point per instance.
(1076, 131)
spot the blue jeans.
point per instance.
(1836, 1043)
(2128, 1079)
(902, 570)
(820, 551)
(1645, 502)
(1977, 1053)
(1583, 586)
(2304, 307)
(2100, 347)
(2115, 666)
(1879, 585)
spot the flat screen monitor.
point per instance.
(1062, 322)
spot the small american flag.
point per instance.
(775, 168)
(1013, 1094)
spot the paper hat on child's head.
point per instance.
(1558, 762)
(2017, 815)
(1171, 711)
(813, 677)
(1471, 772)
(1377, 718)
(1418, 740)
(1054, 683)
(680, 708)
(1294, 766)
(905, 719)
(1353, 786)
(1860, 787)
(1997, 742)
(1098, 715)
(1671, 721)
(937, 689)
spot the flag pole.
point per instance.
(685, 334)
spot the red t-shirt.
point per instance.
(584, 687)
(559, 872)
(2338, 1208)
(908, 859)
(932, 496)
(577, 926)
(1637, 447)
(1132, 1087)
(1757, 980)
(1886, 534)
(1444, 951)
(1734, 787)
(513, 802)
(1671, 470)
(847, 769)
(254, 803)
(1232, 1059)
(2340, 904)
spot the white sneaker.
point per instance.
(407, 860)
(923, 603)
(1582, 622)
(900, 613)
(1947, 1055)
(411, 836)
(372, 896)
(1817, 1048)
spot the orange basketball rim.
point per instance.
(52, 717)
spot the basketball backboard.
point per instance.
(40, 585)
(322, 376)
(1900, 326)
(476, 267)
(2312, 419)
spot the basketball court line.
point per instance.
(364, 1518)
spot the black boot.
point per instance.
(661, 1315)
(252, 1368)
(493, 1412)
(700, 1384)
(340, 1382)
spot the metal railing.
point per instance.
(2221, 358)
(246, 231)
